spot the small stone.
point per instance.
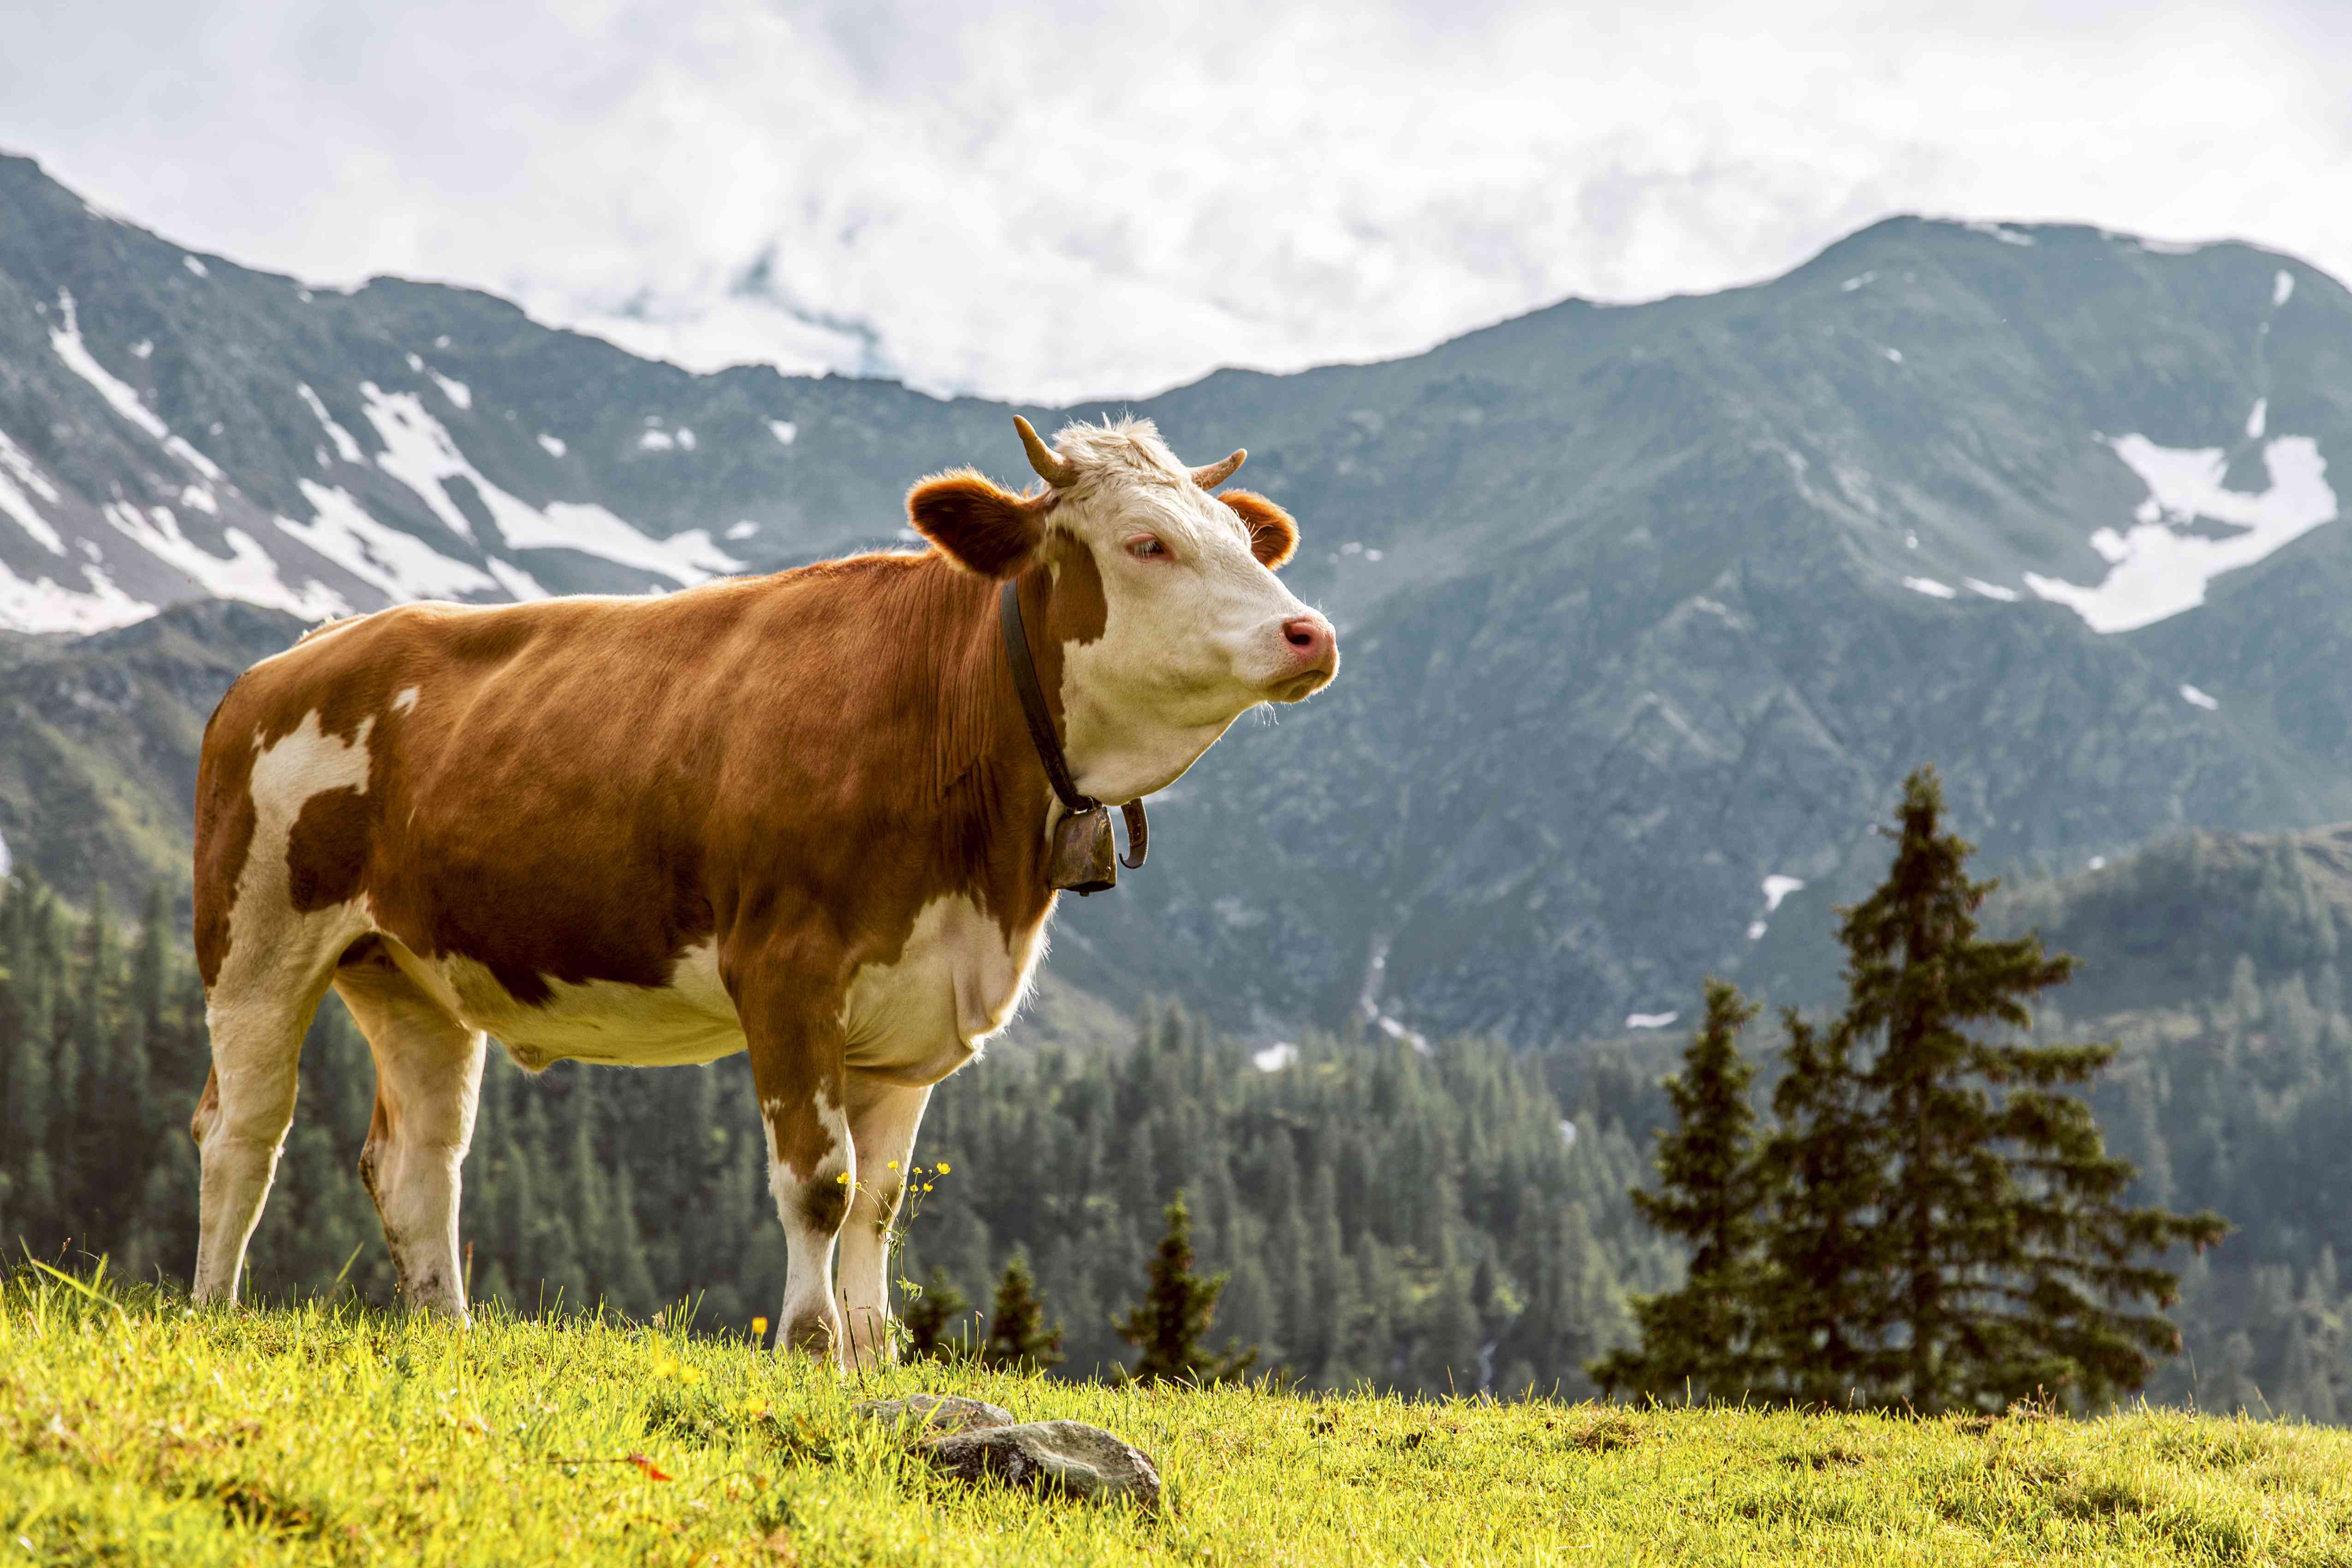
(1050, 1455)
(936, 1414)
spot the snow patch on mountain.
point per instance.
(248, 572)
(346, 448)
(1989, 590)
(553, 445)
(19, 474)
(2000, 232)
(2158, 567)
(420, 452)
(456, 392)
(1930, 587)
(2260, 416)
(402, 565)
(67, 341)
(2196, 698)
(2282, 287)
(42, 606)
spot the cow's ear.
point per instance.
(1274, 538)
(984, 527)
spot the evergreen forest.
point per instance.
(1449, 1219)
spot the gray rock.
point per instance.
(936, 1414)
(1052, 1456)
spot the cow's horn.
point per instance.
(1050, 468)
(1218, 473)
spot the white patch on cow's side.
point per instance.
(956, 981)
(273, 950)
(405, 700)
(687, 1021)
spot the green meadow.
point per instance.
(136, 1430)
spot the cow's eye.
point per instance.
(1147, 547)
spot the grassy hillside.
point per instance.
(143, 1433)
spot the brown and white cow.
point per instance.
(797, 815)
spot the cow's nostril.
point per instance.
(1303, 633)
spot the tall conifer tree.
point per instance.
(1990, 1219)
(1696, 1339)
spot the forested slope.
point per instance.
(1423, 1222)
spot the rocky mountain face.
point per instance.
(1645, 610)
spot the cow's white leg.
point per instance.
(811, 1165)
(428, 1079)
(883, 1118)
(240, 1124)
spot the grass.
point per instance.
(133, 1430)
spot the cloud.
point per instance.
(1050, 202)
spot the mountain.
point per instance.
(1645, 610)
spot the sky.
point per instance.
(1054, 202)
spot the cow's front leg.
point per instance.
(797, 1070)
(882, 1121)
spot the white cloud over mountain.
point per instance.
(1045, 201)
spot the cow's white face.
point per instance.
(1193, 627)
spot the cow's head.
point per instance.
(1173, 622)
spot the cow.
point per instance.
(799, 815)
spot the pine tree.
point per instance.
(930, 1318)
(1018, 1338)
(2008, 1262)
(1176, 1312)
(1819, 1305)
(1698, 1338)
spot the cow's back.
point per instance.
(516, 783)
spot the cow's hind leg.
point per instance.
(882, 1121)
(257, 1027)
(429, 1078)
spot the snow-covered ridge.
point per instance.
(2158, 567)
(67, 343)
(416, 449)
